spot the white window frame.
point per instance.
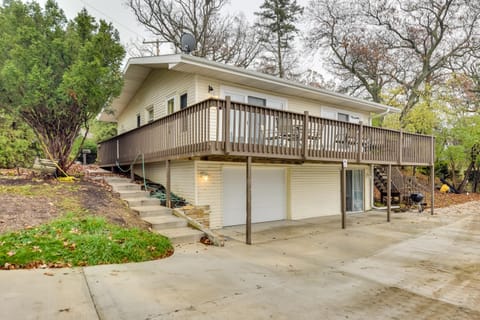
(333, 113)
(150, 113)
(232, 92)
(174, 98)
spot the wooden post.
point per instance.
(432, 181)
(343, 193)
(226, 126)
(249, 201)
(305, 136)
(432, 176)
(360, 143)
(132, 174)
(389, 192)
(400, 151)
(167, 187)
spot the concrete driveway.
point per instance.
(416, 267)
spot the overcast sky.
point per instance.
(124, 20)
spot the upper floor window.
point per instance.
(257, 101)
(183, 101)
(170, 105)
(343, 117)
(150, 114)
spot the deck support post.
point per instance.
(432, 175)
(432, 184)
(389, 192)
(167, 187)
(360, 143)
(226, 128)
(305, 135)
(343, 193)
(248, 239)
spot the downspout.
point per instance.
(378, 115)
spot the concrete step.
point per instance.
(140, 202)
(182, 235)
(122, 186)
(128, 194)
(116, 180)
(150, 211)
(165, 222)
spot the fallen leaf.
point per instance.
(10, 253)
(48, 274)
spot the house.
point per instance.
(199, 124)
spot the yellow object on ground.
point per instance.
(445, 188)
(66, 179)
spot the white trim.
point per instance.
(168, 98)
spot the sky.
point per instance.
(116, 12)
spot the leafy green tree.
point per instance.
(56, 74)
(18, 146)
(276, 23)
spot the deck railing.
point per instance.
(221, 127)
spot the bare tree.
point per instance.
(222, 38)
(400, 46)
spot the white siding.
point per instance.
(295, 104)
(211, 192)
(182, 177)
(159, 85)
(314, 191)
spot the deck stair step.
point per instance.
(182, 235)
(165, 222)
(122, 186)
(140, 202)
(149, 211)
(110, 180)
(125, 194)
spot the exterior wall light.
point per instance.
(204, 176)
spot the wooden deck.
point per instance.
(223, 128)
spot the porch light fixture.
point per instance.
(210, 89)
(204, 176)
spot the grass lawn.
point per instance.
(79, 240)
(52, 224)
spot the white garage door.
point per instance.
(268, 195)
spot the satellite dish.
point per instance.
(188, 43)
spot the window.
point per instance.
(138, 120)
(343, 117)
(183, 101)
(150, 114)
(171, 105)
(257, 101)
(183, 105)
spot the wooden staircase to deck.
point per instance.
(381, 183)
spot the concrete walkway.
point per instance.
(416, 267)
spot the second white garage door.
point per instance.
(268, 195)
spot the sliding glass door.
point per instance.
(355, 190)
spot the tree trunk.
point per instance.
(463, 184)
